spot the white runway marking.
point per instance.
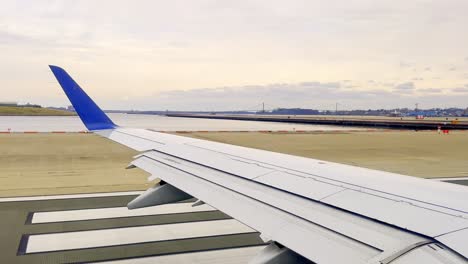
(115, 212)
(67, 196)
(225, 256)
(131, 235)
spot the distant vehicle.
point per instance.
(307, 210)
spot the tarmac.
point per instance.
(22, 240)
(63, 196)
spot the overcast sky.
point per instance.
(233, 55)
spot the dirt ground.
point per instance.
(46, 163)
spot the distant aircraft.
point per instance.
(307, 210)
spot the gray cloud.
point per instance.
(11, 38)
(428, 69)
(452, 69)
(460, 90)
(332, 85)
(306, 95)
(243, 97)
(407, 86)
(430, 90)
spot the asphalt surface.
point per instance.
(15, 227)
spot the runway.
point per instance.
(98, 227)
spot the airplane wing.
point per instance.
(308, 210)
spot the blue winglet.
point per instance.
(91, 115)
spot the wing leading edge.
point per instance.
(308, 209)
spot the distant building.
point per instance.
(395, 114)
(71, 108)
(465, 113)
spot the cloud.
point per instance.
(332, 85)
(12, 38)
(452, 69)
(460, 89)
(315, 95)
(405, 64)
(430, 90)
(405, 86)
(417, 79)
(244, 97)
(428, 69)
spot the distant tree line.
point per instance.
(398, 112)
(19, 105)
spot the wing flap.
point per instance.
(308, 239)
(399, 213)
